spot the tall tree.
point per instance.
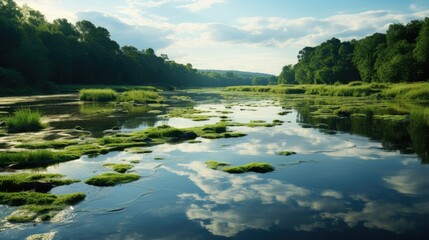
(366, 53)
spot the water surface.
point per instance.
(348, 180)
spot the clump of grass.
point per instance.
(36, 158)
(112, 179)
(24, 120)
(140, 96)
(259, 167)
(120, 168)
(32, 181)
(285, 153)
(98, 94)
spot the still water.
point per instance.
(345, 182)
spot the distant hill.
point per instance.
(239, 73)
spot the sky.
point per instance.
(247, 35)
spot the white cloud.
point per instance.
(251, 43)
(332, 193)
(411, 181)
(198, 5)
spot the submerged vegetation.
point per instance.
(24, 120)
(259, 167)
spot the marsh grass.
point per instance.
(140, 96)
(112, 179)
(100, 94)
(418, 91)
(24, 120)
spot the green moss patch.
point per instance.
(138, 150)
(216, 165)
(37, 205)
(48, 144)
(32, 182)
(120, 168)
(259, 167)
(112, 179)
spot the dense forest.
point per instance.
(38, 53)
(399, 55)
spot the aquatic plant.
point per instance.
(112, 179)
(98, 94)
(24, 120)
(119, 167)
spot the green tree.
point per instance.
(287, 76)
(366, 53)
(421, 50)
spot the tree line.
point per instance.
(38, 53)
(399, 55)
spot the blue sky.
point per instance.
(247, 35)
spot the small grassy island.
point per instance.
(29, 192)
(259, 167)
(112, 179)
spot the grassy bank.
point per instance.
(417, 91)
